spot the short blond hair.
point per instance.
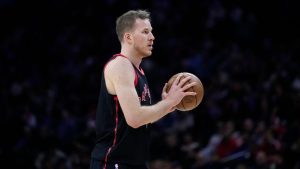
(126, 21)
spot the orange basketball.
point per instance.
(189, 102)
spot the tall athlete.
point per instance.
(125, 109)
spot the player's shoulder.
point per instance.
(118, 60)
(119, 71)
(118, 64)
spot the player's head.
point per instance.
(126, 22)
(134, 28)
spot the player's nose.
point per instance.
(151, 36)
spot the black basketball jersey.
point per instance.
(117, 142)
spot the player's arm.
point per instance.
(120, 73)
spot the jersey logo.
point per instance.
(145, 94)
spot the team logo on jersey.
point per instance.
(145, 94)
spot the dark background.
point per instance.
(246, 54)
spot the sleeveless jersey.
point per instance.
(116, 141)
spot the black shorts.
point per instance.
(96, 164)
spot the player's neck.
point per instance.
(133, 57)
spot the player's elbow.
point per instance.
(134, 123)
(133, 120)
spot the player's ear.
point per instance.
(128, 37)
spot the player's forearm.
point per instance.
(156, 111)
(150, 114)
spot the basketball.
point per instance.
(189, 102)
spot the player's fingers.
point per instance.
(184, 80)
(177, 80)
(187, 86)
(190, 93)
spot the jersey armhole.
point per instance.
(115, 56)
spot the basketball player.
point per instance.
(125, 110)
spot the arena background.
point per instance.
(245, 52)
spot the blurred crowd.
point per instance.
(245, 53)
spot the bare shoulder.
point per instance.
(119, 65)
(118, 71)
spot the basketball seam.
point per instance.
(181, 102)
(195, 95)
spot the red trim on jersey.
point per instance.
(115, 132)
(113, 57)
(142, 71)
(117, 119)
(136, 75)
(136, 78)
(119, 54)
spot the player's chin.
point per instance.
(148, 53)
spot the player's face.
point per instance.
(143, 37)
